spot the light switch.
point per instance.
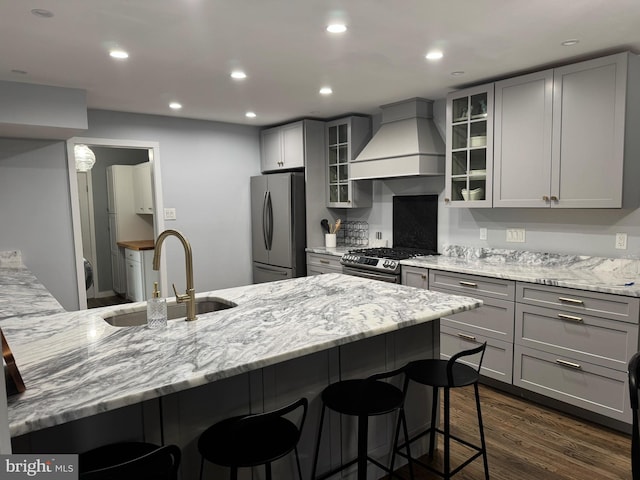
(169, 213)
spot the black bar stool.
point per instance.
(364, 398)
(252, 440)
(448, 374)
(140, 460)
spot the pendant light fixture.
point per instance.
(85, 158)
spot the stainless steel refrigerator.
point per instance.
(278, 226)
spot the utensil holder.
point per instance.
(330, 240)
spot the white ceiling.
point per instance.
(184, 50)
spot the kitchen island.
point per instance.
(281, 340)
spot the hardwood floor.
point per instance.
(526, 441)
(106, 301)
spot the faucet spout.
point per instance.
(190, 296)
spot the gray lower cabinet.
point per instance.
(574, 346)
(566, 344)
(493, 322)
(318, 263)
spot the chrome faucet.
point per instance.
(190, 297)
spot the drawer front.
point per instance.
(605, 305)
(597, 340)
(498, 356)
(592, 387)
(494, 319)
(133, 255)
(324, 261)
(472, 285)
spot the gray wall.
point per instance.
(35, 213)
(205, 169)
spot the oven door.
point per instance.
(384, 277)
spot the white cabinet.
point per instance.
(140, 274)
(469, 158)
(562, 136)
(124, 223)
(344, 140)
(282, 148)
(143, 197)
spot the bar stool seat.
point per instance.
(250, 440)
(140, 460)
(445, 375)
(363, 398)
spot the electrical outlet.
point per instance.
(169, 213)
(621, 241)
(516, 235)
(483, 234)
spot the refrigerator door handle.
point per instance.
(270, 221)
(264, 221)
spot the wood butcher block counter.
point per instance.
(137, 244)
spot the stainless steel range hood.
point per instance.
(407, 144)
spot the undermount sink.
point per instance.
(174, 311)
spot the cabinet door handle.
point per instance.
(545, 198)
(564, 363)
(571, 300)
(468, 284)
(570, 317)
(424, 277)
(326, 262)
(446, 200)
(554, 198)
(469, 338)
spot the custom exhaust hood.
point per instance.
(407, 144)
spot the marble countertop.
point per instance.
(74, 364)
(620, 276)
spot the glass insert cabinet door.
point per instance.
(469, 161)
(338, 151)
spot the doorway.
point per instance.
(88, 225)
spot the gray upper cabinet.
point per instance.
(282, 148)
(562, 136)
(469, 155)
(522, 141)
(344, 140)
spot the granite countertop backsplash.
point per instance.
(619, 276)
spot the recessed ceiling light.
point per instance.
(457, 73)
(250, 115)
(326, 91)
(336, 28)
(119, 54)
(569, 43)
(238, 75)
(175, 105)
(434, 55)
(42, 13)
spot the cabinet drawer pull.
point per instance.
(564, 363)
(468, 284)
(570, 317)
(470, 338)
(424, 277)
(326, 262)
(571, 300)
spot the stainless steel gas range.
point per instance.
(415, 233)
(379, 263)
